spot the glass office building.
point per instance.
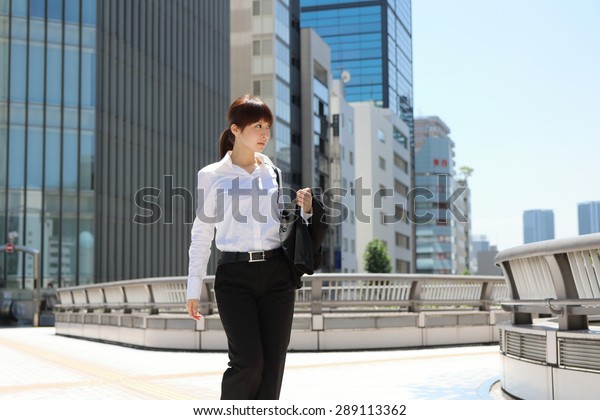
(100, 99)
(589, 217)
(47, 137)
(372, 40)
(538, 225)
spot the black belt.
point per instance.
(254, 256)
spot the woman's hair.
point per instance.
(244, 111)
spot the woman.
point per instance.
(254, 281)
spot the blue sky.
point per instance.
(518, 83)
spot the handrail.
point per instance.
(321, 291)
(549, 302)
(555, 246)
(551, 276)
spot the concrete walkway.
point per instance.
(36, 364)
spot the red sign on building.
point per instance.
(9, 248)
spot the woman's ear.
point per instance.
(235, 129)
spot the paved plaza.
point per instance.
(36, 364)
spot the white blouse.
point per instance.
(243, 208)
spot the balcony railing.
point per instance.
(320, 293)
(559, 277)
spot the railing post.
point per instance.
(568, 322)
(486, 296)
(415, 296)
(153, 308)
(88, 310)
(510, 280)
(105, 310)
(126, 309)
(564, 285)
(316, 304)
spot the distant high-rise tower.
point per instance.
(538, 225)
(441, 239)
(589, 217)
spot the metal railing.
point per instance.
(559, 277)
(321, 292)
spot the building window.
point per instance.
(351, 157)
(345, 245)
(262, 88)
(400, 138)
(399, 162)
(262, 47)
(320, 73)
(402, 241)
(381, 135)
(353, 246)
(400, 188)
(256, 8)
(402, 266)
(381, 163)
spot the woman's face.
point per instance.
(254, 136)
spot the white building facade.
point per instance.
(382, 184)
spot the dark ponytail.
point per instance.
(244, 111)
(226, 142)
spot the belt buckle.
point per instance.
(262, 258)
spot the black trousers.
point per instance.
(256, 306)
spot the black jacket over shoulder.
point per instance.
(302, 243)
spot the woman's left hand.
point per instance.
(304, 199)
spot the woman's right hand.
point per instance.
(192, 308)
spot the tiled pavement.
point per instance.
(36, 364)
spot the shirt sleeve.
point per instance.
(305, 215)
(203, 232)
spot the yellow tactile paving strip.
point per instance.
(101, 375)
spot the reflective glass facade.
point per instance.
(538, 225)
(101, 100)
(589, 217)
(282, 129)
(372, 40)
(47, 138)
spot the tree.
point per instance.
(465, 172)
(376, 257)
